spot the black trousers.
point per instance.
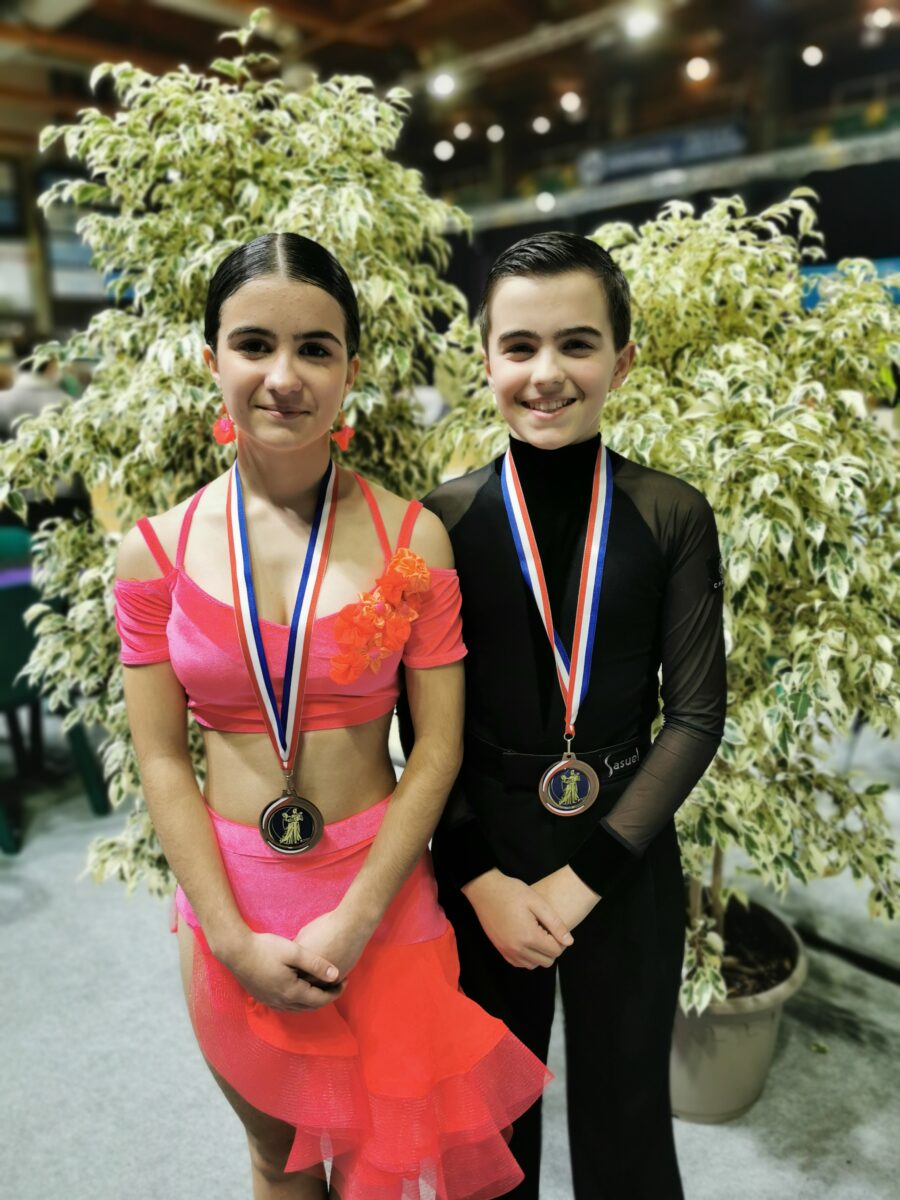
(619, 983)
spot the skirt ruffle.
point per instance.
(401, 1080)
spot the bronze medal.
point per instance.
(569, 787)
(291, 824)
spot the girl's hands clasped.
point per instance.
(335, 937)
(282, 974)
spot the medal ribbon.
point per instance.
(282, 721)
(573, 675)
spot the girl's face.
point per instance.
(550, 359)
(281, 361)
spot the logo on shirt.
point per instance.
(715, 571)
(620, 764)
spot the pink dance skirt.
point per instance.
(403, 1078)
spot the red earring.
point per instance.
(223, 428)
(344, 433)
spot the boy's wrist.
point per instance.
(482, 883)
(568, 894)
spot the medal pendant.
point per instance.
(291, 824)
(569, 787)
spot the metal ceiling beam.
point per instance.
(72, 48)
(307, 18)
(18, 143)
(142, 19)
(355, 27)
(46, 14)
(544, 39)
(51, 13)
(793, 163)
(43, 101)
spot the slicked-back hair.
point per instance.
(292, 256)
(557, 253)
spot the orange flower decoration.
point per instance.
(413, 570)
(380, 622)
(397, 629)
(347, 667)
(351, 628)
(390, 587)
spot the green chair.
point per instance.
(16, 595)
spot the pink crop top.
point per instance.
(171, 618)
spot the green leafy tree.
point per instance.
(761, 404)
(188, 168)
(738, 389)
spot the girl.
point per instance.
(321, 973)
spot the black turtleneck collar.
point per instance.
(557, 485)
(568, 462)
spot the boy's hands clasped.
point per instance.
(522, 924)
(568, 895)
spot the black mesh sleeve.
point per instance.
(693, 695)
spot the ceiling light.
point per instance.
(812, 56)
(570, 102)
(540, 125)
(444, 151)
(641, 23)
(495, 133)
(462, 131)
(545, 202)
(698, 69)
(443, 84)
(881, 18)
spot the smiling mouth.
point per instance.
(548, 406)
(283, 412)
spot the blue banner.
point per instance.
(661, 152)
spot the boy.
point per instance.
(581, 574)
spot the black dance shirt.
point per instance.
(660, 608)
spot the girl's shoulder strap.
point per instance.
(186, 528)
(377, 519)
(154, 545)
(409, 520)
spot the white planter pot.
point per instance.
(720, 1059)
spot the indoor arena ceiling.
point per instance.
(511, 62)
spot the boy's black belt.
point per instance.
(611, 763)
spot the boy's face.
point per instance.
(550, 358)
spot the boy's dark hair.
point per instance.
(555, 253)
(292, 256)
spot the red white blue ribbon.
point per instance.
(573, 673)
(282, 719)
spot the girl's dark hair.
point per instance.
(554, 254)
(292, 256)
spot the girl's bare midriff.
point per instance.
(342, 771)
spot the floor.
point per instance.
(105, 1096)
